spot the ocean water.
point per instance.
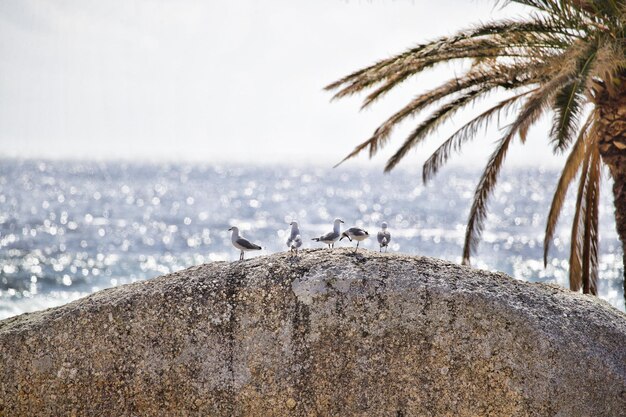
(68, 229)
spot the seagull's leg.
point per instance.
(241, 256)
(357, 246)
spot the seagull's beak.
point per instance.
(341, 221)
(230, 229)
(291, 224)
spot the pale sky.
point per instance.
(212, 80)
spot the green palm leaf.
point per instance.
(569, 103)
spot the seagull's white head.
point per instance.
(384, 225)
(234, 229)
(337, 221)
(294, 224)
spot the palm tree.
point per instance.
(566, 59)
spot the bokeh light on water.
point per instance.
(70, 228)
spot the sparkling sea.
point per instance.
(69, 228)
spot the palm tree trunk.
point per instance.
(613, 151)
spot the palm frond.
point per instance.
(473, 80)
(534, 106)
(506, 76)
(443, 114)
(487, 182)
(569, 102)
(465, 133)
(507, 38)
(475, 83)
(393, 75)
(541, 26)
(578, 229)
(539, 102)
(568, 174)
(590, 242)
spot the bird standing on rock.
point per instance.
(384, 237)
(240, 243)
(331, 237)
(357, 234)
(294, 241)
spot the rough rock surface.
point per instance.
(328, 333)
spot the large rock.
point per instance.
(328, 333)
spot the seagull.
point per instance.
(294, 241)
(331, 237)
(357, 234)
(241, 243)
(384, 237)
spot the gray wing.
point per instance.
(296, 242)
(247, 244)
(384, 237)
(356, 231)
(292, 236)
(329, 236)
